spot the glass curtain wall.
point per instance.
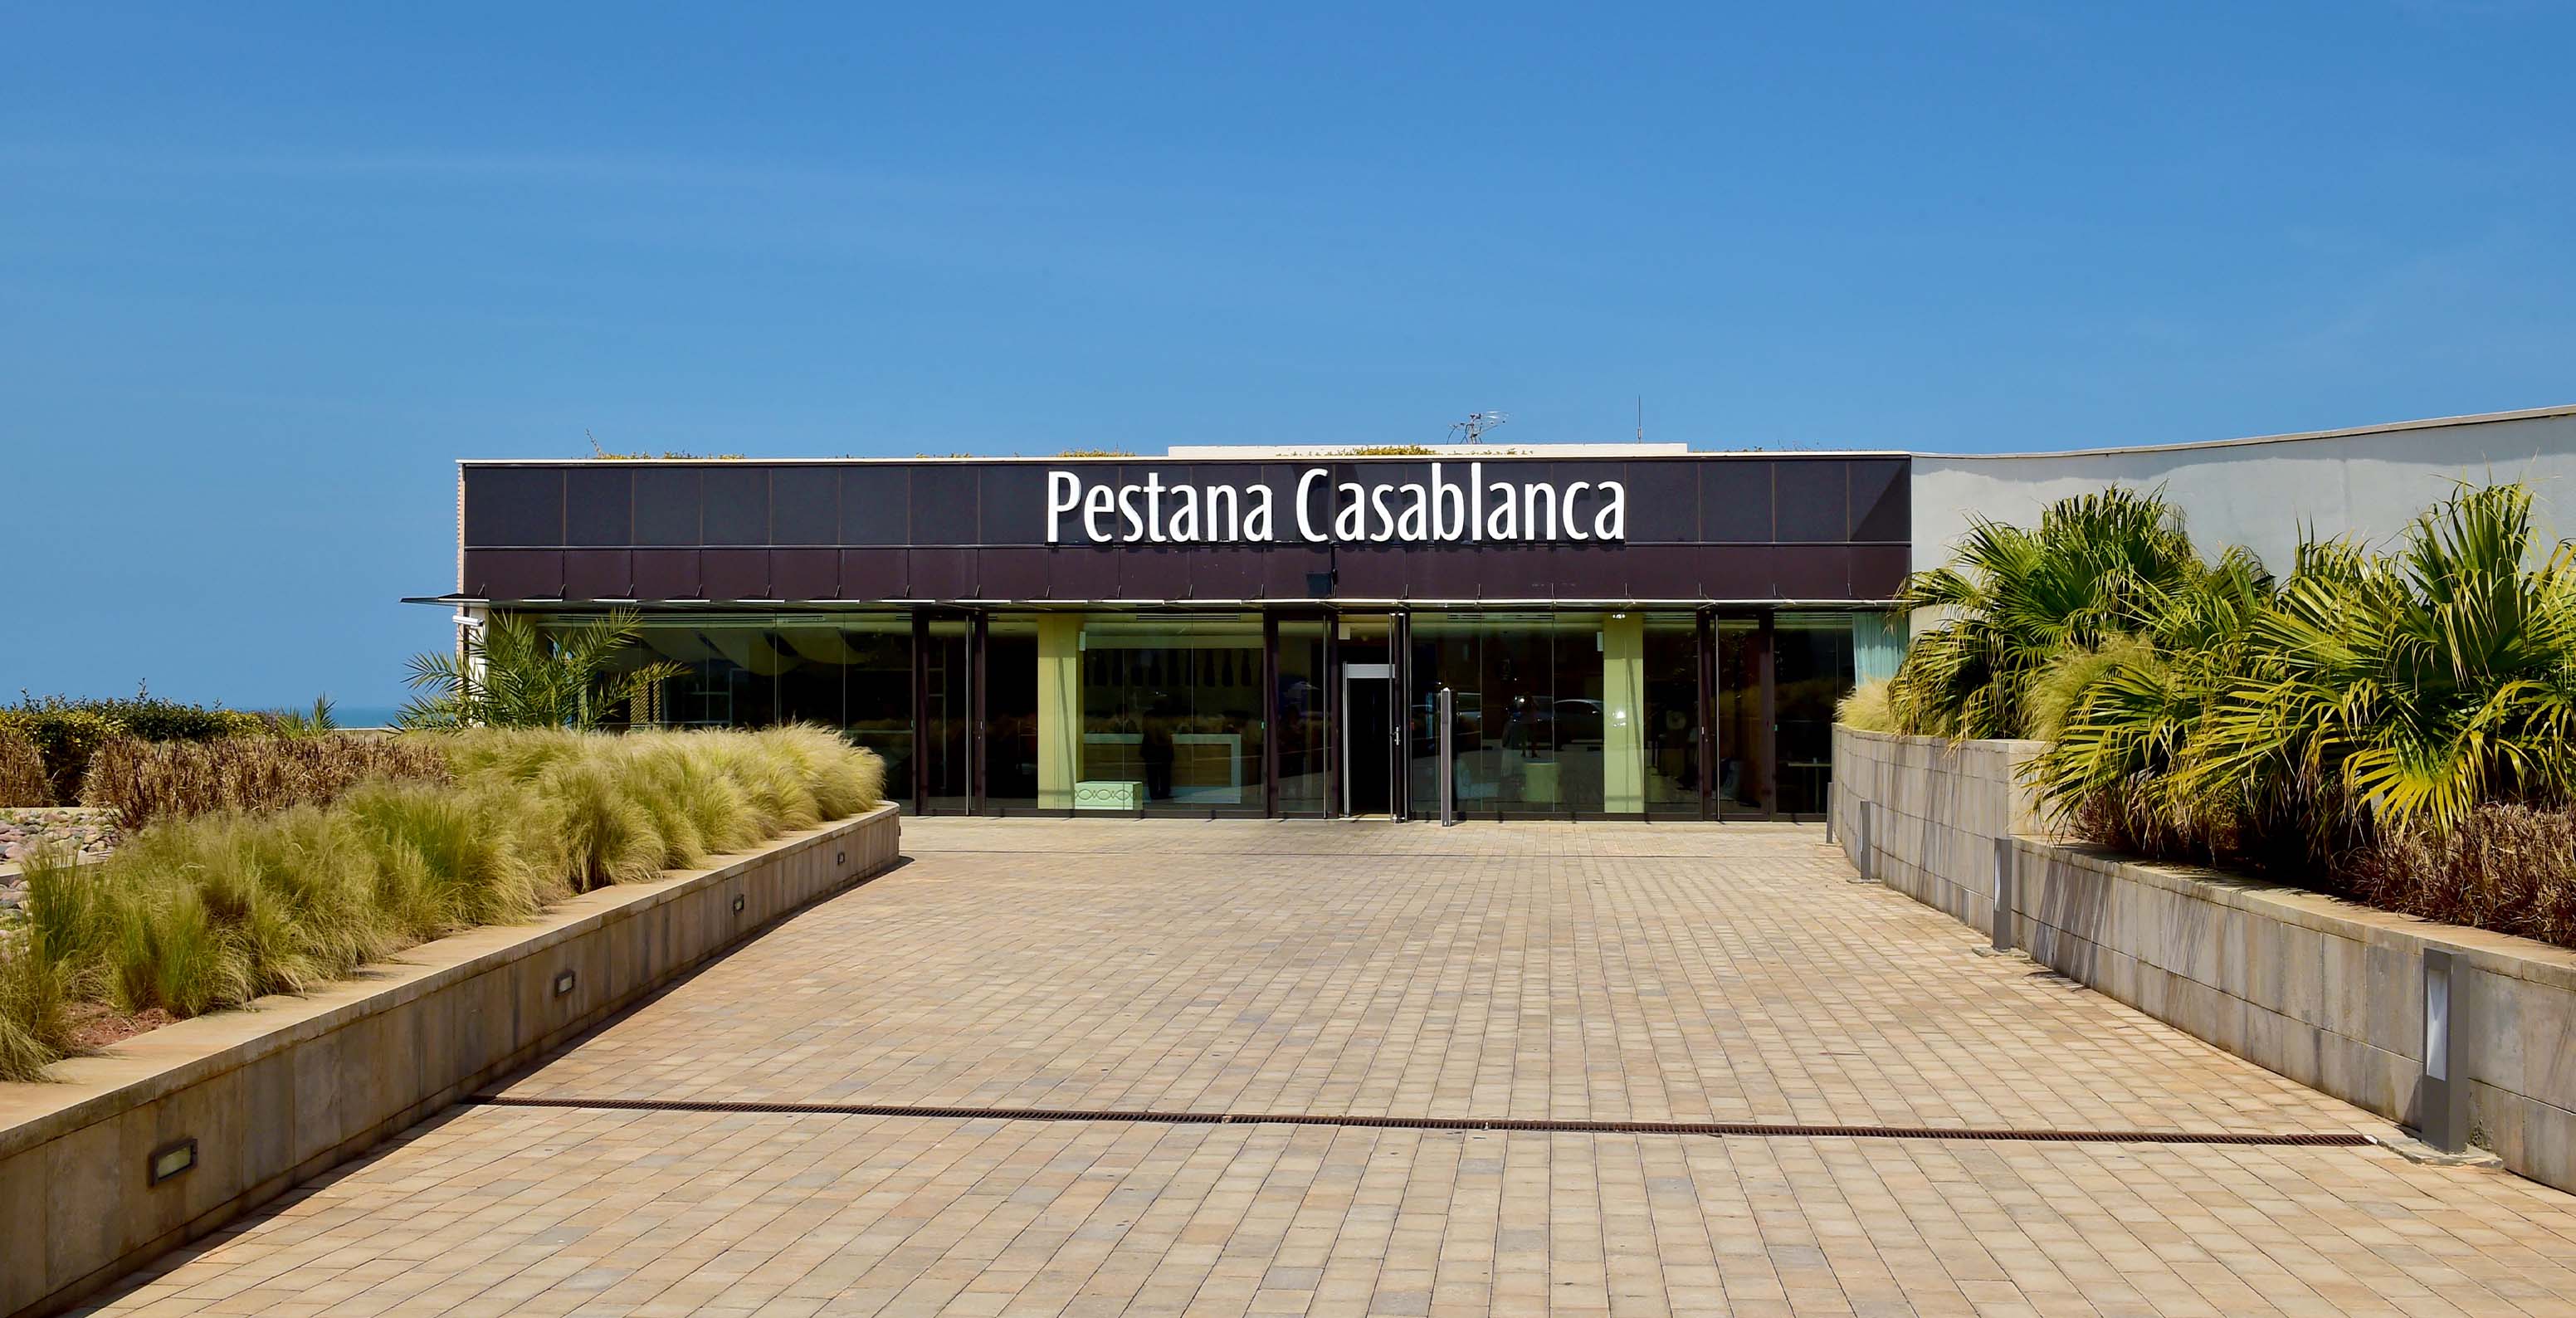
(1172, 714)
(1672, 715)
(947, 713)
(1811, 670)
(1743, 737)
(876, 694)
(851, 672)
(1301, 714)
(1527, 690)
(1010, 714)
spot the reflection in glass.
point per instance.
(1301, 715)
(947, 711)
(1011, 714)
(1171, 713)
(877, 694)
(1743, 741)
(1811, 669)
(1527, 692)
(1671, 737)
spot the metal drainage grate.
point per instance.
(1748, 1129)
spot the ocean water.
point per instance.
(363, 716)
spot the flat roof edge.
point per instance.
(1147, 460)
(2347, 432)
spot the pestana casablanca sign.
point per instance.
(1319, 510)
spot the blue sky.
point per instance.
(265, 271)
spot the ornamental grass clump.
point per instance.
(204, 909)
(22, 771)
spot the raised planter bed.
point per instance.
(257, 1101)
(2327, 992)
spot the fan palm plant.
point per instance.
(518, 675)
(2099, 566)
(2414, 686)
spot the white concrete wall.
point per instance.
(2260, 492)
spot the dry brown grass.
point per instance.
(147, 781)
(22, 771)
(2509, 868)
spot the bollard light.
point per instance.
(2443, 1100)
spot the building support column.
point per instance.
(1623, 713)
(1059, 708)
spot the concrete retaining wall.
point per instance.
(2326, 992)
(283, 1091)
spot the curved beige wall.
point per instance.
(2260, 492)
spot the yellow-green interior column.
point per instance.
(1059, 708)
(1623, 713)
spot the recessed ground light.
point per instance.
(171, 1159)
(737, 903)
(563, 983)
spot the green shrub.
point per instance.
(22, 771)
(144, 781)
(66, 731)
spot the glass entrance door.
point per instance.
(1368, 740)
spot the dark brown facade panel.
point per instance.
(876, 505)
(736, 505)
(804, 507)
(1735, 503)
(1877, 570)
(875, 574)
(1082, 574)
(1661, 572)
(943, 506)
(513, 507)
(1882, 501)
(1813, 572)
(1810, 500)
(599, 574)
(1446, 575)
(943, 574)
(599, 507)
(1739, 572)
(1718, 528)
(1663, 502)
(668, 510)
(667, 574)
(514, 574)
(805, 574)
(735, 574)
(1011, 574)
(1010, 506)
(1288, 572)
(1371, 572)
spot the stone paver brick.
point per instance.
(1609, 971)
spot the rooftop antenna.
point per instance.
(1641, 418)
(1476, 424)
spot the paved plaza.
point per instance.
(1582, 974)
